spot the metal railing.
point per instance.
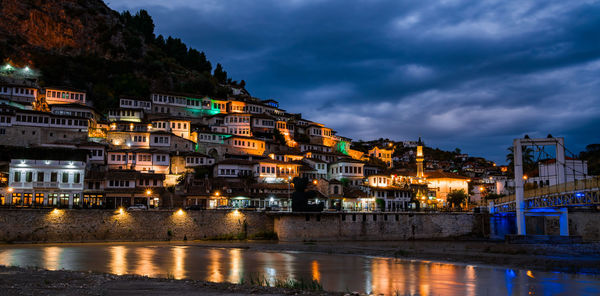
(570, 193)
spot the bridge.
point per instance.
(548, 200)
(578, 193)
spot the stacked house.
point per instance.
(173, 149)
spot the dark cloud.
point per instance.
(463, 74)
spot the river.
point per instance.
(334, 272)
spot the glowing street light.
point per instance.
(10, 189)
(148, 192)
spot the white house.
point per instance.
(18, 93)
(56, 95)
(349, 169)
(51, 183)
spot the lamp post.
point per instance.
(9, 198)
(289, 198)
(148, 194)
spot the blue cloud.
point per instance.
(463, 74)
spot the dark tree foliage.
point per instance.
(528, 161)
(457, 197)
(279, 137)
(220, 74)
(592, 155)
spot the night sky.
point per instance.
(467, 74)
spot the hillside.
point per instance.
(86, 45)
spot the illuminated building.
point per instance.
(124, 188)
(181, 162)
(143, 160)
(347, 169)
(420, 158)
(61, 95)
(245, 145)
(19, 127)
(382, 154)
(319, 168)
(126, 114)
(444, 182)
(135, 103)
(175, 126)
(52, 183)
(18, 93)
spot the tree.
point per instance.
(528, 162)
(220, 74)
(457, 197)
(592, 156)
(279, 136)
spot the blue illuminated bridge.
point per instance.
(580, 193)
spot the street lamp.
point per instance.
(10, 189)
(148, 193)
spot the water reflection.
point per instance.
(236, 266)
(144, 263)
(179, 255)
(335, 272)
(118, 262)
(316, 275)
(52, 258)
(214, 268)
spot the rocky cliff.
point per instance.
(84, 44)
(69, 27)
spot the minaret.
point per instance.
(420, 159)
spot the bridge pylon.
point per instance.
(518, 145)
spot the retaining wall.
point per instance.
(107, 225)
(581, 223)
(45, 225)
(378, 226)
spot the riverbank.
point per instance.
(35, 281)
(571, 258)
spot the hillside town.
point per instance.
(185, 150)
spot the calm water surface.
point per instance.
(335, 272)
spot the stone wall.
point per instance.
(379, 226)
(581, 223)
(105, 225)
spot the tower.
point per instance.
(420, 159)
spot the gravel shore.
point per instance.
(34, 281)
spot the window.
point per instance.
(40, 176)
(77, 178)
(17, 177)
(53, 177)
(65, 177)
